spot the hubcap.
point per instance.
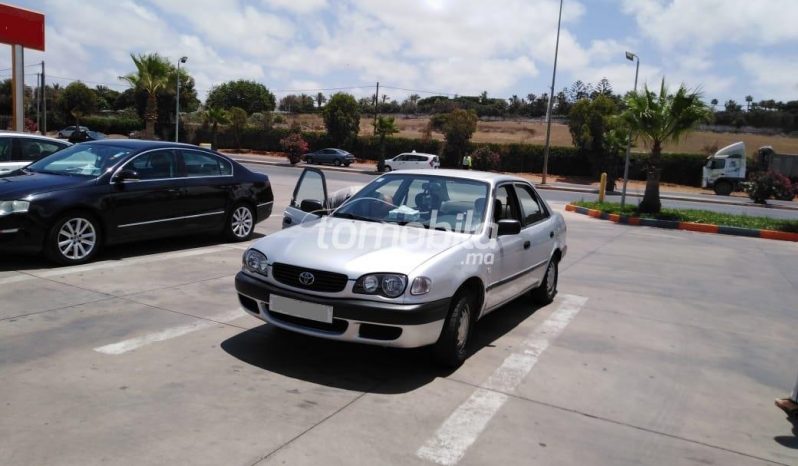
(242, 222)
(76, 239)
(551, 278)
(465, 322)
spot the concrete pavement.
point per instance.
(674, 358)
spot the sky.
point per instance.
(727, 48)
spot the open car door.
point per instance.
(309, 201)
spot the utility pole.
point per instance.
(177, 95)
(376, 107)
(551, 101)
(631, 57)
(37, 98)
(43, 128)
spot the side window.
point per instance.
(310, 187)
(531, 206)
(32, 150)
(505, 206)
(718, 163)
(5, 149)
(155, 165)
(199, 164)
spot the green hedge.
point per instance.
(515, 158)
(117, 124)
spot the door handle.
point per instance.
(527, 244)
(551, 234)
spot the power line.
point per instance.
(421, 91)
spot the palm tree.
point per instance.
(153, 74)
(661, 118)
(215, 116)
(748, 100)
(384, 126)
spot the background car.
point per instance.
(66, 132)
(83, 136)
(73, 202)
(333, 156)
(19, 149)
(412, 160)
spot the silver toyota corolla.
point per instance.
(414, 258)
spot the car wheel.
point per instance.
(309, 160)
(337, 162)
(73, 239)
(240, 223)
(451, 349)
(346, 164)
(388, 168)
(723, 188)
(545, 293)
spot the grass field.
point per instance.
(534, 132)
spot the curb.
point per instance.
(688, 226)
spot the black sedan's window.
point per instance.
(199, 164)
(156, 165)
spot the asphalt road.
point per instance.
(287, 176)
(663, 347)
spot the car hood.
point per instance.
(20, 184)
(355, 247)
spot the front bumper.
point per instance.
(355, 320)
(19, 233)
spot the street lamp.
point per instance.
(631, 57)
(551, 101)
(177, 110)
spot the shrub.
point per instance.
(294, 146)
(763, 186)
(116, 124)
(485, 159)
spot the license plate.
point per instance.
(305, 310)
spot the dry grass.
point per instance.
(534, 132)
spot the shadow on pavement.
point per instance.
(358, 367)
(786, 440)
(121, 251)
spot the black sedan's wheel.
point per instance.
(545, 293)
(73, 239)
(337, 162)
(240, 223)
(451, 350)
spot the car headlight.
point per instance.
(13, 207)
(421, 285)
(255, 261)
(390, 285)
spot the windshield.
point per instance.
(442, 203)
(81, 160)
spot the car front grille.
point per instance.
(327, 282)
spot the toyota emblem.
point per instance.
(306, 278)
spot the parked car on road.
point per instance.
(66, 132)
(72, 203)
(83, 136)
(412, 160)
(20, 149)
(335, 157)
(415, 258)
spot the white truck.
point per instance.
(726, 169)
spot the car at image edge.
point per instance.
(20, 149)
(72, 203)
(428, 292)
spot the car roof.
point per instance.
(475, 175)
(16, 134)
(141, 144)
(418, 153)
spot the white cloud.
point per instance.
(775, 77)
(296, 6)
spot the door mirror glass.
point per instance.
(509, 227)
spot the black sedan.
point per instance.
(336, 157)
(71, 203)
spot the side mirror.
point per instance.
(311, 206)
(509, 227)
(126, 174)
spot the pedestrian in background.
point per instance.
(467, 162)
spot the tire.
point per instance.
(337, 162)
(309, 160)
(723, 188)
(347, 164)
(451, 349)
(545, 293)
(240, 224)
(74, 239)
(388, 168)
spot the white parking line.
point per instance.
(137, 342)
(467, 422)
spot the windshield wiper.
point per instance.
(349, 216)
